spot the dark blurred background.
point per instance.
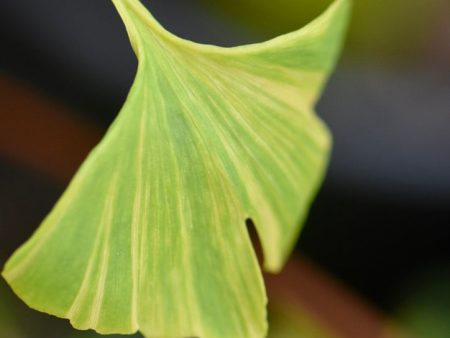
(381, 221)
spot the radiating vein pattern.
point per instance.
(150, 235)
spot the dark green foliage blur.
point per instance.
(394, 31)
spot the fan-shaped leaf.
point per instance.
(150, 235)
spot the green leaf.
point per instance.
(150, 235)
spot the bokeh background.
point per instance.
(380, 224)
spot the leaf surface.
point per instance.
(150, 235)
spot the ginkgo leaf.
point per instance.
(151, 233)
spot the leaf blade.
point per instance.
(150, 234)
